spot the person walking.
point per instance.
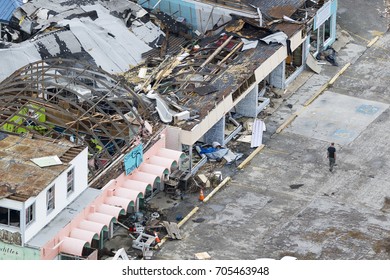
(331, 156)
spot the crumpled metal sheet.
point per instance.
(278, 37)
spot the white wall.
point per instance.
(80, 164)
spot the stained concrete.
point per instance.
(338, 118)
(286, 202)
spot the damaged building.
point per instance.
(124, 97)
(245, 48)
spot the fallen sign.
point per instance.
(143, 241)
(172, 230)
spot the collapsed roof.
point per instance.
(189, 85)
(110, 34)
(71, 101)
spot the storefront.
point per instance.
(15, 252)
(324, 28)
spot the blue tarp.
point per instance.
(7, 7)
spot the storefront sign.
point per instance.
(322, 14)
(133, 159)
(14, 252)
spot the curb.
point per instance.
(250, 157)
(227, 179)
(189, 215)
(181, 223)
(372, 42)
(193, 211)
(335, 77)
(325, 86)
(286, 123)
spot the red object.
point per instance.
(157, 238)
(201, 195)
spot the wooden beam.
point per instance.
(227, 179)
(217, 51)
(286, 123)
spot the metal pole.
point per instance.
(190, 154)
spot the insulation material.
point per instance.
(278, 37)
(249, 44)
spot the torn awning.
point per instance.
(73, 246)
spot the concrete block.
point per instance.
(205, 181)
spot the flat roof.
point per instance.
(64, 218)
(236, 73)
(20, 178)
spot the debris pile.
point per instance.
(110, 34)
(147, 229)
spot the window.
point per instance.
(327, 29)
(30, 214)
(9, 217)
(50, 199)
(70, 181)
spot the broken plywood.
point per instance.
(313, 64)
(172, 230)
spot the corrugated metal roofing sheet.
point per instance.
(7, 7)
(105, 41)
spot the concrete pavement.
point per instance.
(286, 202)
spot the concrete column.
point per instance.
(248, 106)
(278, 76)
(216, 133)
